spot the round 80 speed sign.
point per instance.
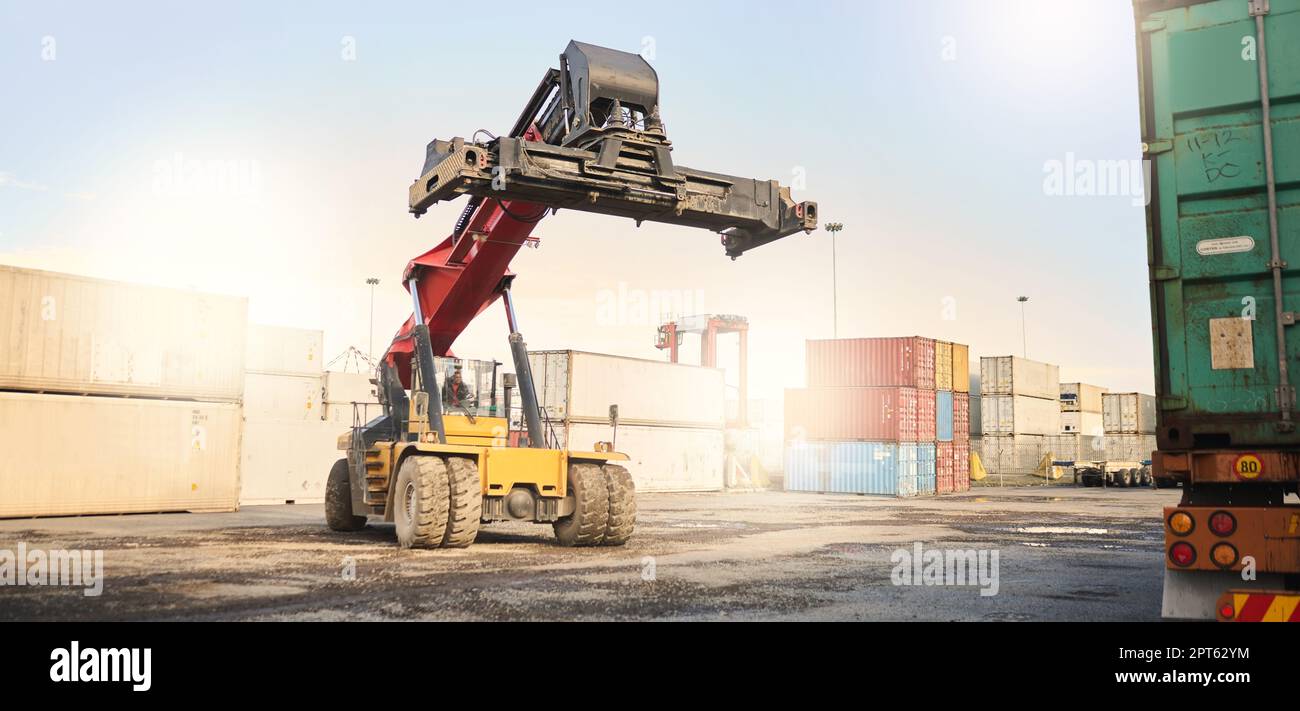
(1247, 466)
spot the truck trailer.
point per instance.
(1219, 83)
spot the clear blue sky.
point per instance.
(923, 126)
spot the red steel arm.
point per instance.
(461, 277)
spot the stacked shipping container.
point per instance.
(1081, 406)
(671, 416)
(877, 415)
(288, 444)
(1130, 425)
(143, 381)
(1019, 411)
(348, 397)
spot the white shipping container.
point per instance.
(1129, 447)
(1129, 413)
(73, 334)
(1081, 397)
(349, 387)
(661, 458)
(1018, 414)
(283, 462)
(282, 397)
(575, 386)
(73, 454)
(1012, 375)
(1085, 423)
(284, 351)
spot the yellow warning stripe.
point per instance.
(1281, 609)
(1239, 603)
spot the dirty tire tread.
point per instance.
(432, 503)
(466, 504)
(622, 505)
(338, 500)
(586, 526)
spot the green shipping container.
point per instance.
(1221, 379)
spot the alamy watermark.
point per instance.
(55, 567)
(181, 176)
(125, 664)
(1082, 177)
(625, 306)
(946, 567)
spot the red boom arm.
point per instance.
(461, 277)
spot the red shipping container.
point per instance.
(961, 466)
(961, 417)
(871, 362)
(944, 482)
(926, 427)
(883, 414)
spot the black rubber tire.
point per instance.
(420, 501)
(466, 504)
(338, 500)
(622, 505)
(586, 526)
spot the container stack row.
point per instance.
(880, 416)
(289, 443)
(1081, 433)
(1020, 427)
(117, 398)
(1019, 411)
(1129, 421)
(671, 415)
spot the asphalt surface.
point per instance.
(1062, 554)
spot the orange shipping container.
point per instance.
(960, 368)
(943, 365)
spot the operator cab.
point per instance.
(469, 404)
(468, 387)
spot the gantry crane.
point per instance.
(709, 327)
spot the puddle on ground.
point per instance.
(1063, 529)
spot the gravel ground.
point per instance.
(1063, 554)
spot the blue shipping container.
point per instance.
(876, 468)
(920, 458)
(807, 467)
(943, 415)
(866, 468)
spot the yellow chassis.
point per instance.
(501, 468)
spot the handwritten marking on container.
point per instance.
(1215, 150)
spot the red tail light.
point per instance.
(1226, 611)
(1182, 554)
(1223, 523)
